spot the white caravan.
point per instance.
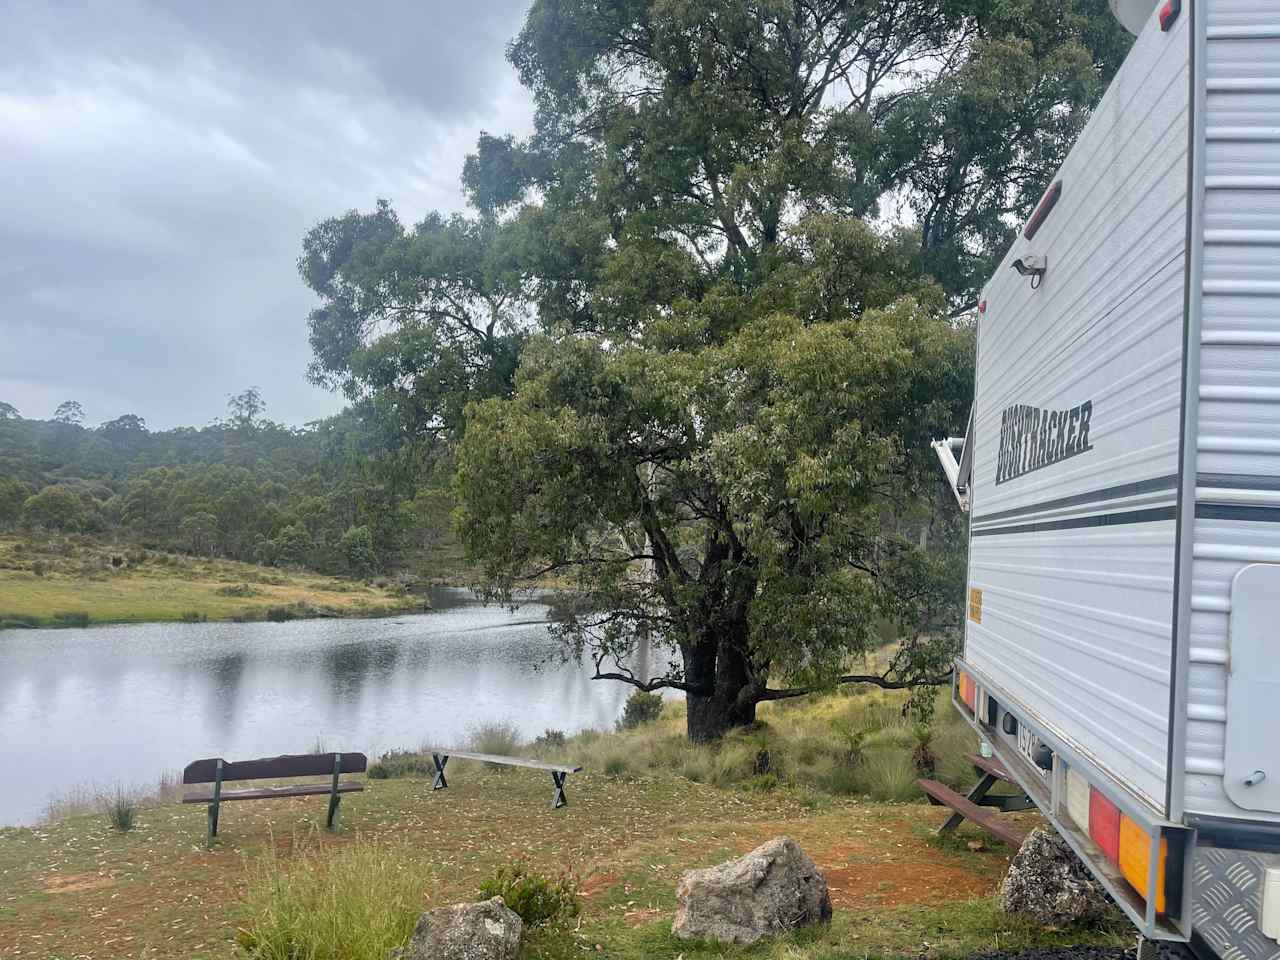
(1122, 472)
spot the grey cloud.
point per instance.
(163, 162)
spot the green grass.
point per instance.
(357, 902)
(74, 581)
(277, 885)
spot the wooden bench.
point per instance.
(978, 806)
(559, 771)
(217, 771)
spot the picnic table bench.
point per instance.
(971, 807)
(559, 771)
(217, 771)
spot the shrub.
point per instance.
(71, 618)
(762, 783)
(641, 708)
(538, 899)
(193, 616)
(498, 737)
(615, 766)
(281, 614)
(551, 740)
(887, 775)
(401, 763)
(357, 901)
(39, 568)
(121, 809)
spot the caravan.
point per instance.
(1121, 469)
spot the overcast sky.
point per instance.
(160, 163)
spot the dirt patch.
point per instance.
(638, 918)
(74, 883)
(896, 884)
(598, 883)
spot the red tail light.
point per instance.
(1104, 825)
(1169, 13)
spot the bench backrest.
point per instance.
(274, 768)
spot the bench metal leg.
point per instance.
(558, 799)
(440, 783)
(976, 794)
(214, 805)
(334, 797)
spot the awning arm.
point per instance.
(959, 472)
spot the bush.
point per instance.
(615, 766)
(538, 900)
(498, 737)
(401, 763)
(762, 783)
(121, 809)
(641, 708)
(357, 901)
(71, 618)
(551, 740)
(282, 614)
(39, 568)
(192, 616)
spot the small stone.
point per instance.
(773, 889)
(1049, 883)
(977, 846)
(465, 931)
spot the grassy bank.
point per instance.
(275, 885)
(73, 581)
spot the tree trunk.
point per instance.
(716, 666)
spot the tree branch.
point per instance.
(879, 680)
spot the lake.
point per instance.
(112, 705)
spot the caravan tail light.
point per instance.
(1104, 825)
(1135, 860)
(968, 692)
(1169, 13)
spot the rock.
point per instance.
(465, 931)
(1049, 883)
(773, 889)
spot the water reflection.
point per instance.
(123, 704)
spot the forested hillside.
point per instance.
(337, 496)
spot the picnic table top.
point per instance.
(509, 761)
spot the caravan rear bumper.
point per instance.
(1150, 854)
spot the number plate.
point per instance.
(1027, 744)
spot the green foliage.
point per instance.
(616, 766)
(356, 547)
(356, 901)
(121, 810)
(57, 508)
(641, 707)
(550, 740)
(71, 618)
(402, 763)
(242, 489)
(539, 900)
(498, 737)
(69, 411)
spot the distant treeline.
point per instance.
(338, 496)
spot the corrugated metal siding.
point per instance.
(1239, 412)
(1077, 622)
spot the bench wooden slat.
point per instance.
(267, 793)
(507, 761)
(990, 765)
(274, 768)
(981, 816)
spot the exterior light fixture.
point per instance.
(1033, 266)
